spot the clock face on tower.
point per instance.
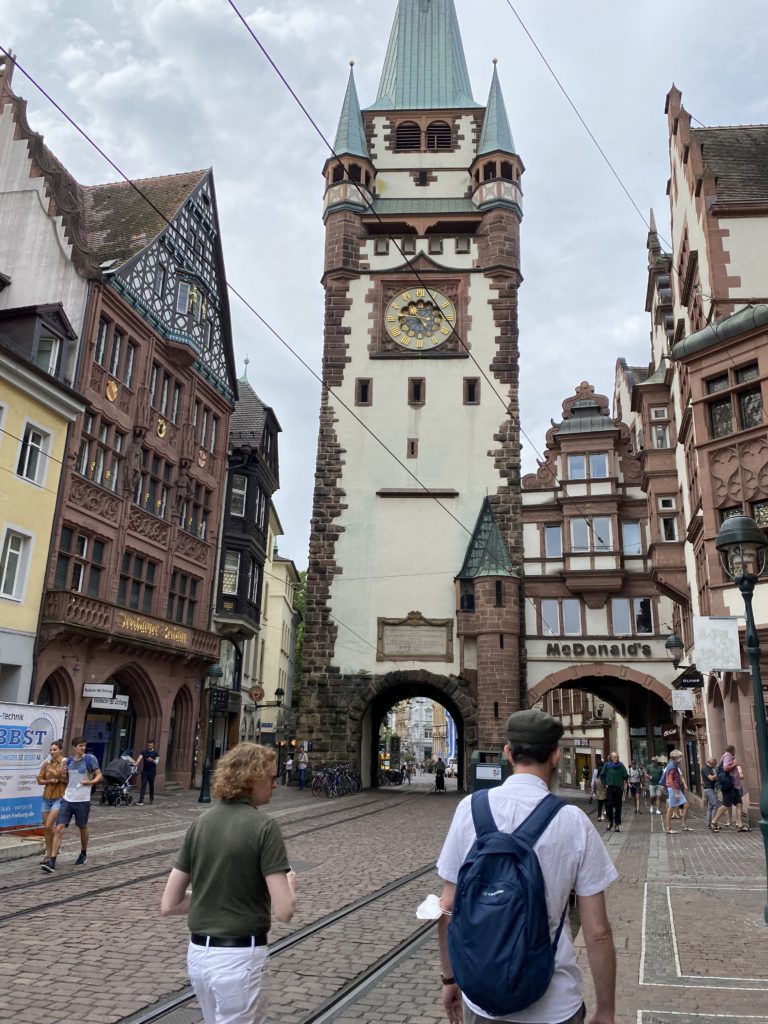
(420, 318)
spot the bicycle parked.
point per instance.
(336, 781)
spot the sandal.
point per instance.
(672, 832)
(743, 828)
(715, 828)
(687, 829)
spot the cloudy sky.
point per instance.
(171, 85)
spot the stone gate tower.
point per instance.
(422, 209)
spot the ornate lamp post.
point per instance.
(675, 649)
(215, 673)
(743, 551)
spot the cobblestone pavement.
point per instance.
(686, 912)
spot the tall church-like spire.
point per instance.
(496, 136)
(425, 67)
(350, 136)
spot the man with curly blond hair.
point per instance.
(230, 876)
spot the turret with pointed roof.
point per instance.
(350, 135)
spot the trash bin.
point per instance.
(489, 768)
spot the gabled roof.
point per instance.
(496, 135)
(250, 415)
(120, 222)
(425, 67)
(350, 135)
(487, 554)
(738, 158)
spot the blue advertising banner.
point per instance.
(26, 732)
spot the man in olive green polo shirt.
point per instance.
(614, 776)
(235, 859)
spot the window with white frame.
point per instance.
(591, 534)
(182, 297)
(660, 435)
(13, 567)
(577, 467)
(47, 357)
(239, 493)
(598, 465)
(659, 412)
(34, 446)
(631, 539)
(631, 616)
(668, 525)
(553, 541)
(560, 617)
(230, 573)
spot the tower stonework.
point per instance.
(422, 209)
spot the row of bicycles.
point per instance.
(337, 781)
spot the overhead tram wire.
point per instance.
(515, 419)
(81, 131)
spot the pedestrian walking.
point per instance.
(83, 773)
(676, 798)
(302, 763)
(52, 775)
(230, 876)
(654, 772)
(600, 794)
(287, 768)
(571, 856)
(635, 782)
(709, 788)
(614, 776)
(727, 777)
(147, 762)
(440, 776)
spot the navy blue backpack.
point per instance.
(501, 954)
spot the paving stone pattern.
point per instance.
(677, 901)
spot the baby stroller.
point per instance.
(118, 776)
(439, 782)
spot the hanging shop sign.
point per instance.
(682, 700)
(118, 703)
(670, 732)
(98, 690)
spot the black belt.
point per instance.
(228, 941)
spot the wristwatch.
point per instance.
(450, 980)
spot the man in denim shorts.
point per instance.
(84, 774)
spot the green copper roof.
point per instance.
(747, 319)
(350, 136)
(425, 67)
(496, 135)
(487, 554)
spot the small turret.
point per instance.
(349, 172)
(497, 169)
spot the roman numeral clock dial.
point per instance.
(420, 319)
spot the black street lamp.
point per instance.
(215, 673)
(743, 551)
(675, 649)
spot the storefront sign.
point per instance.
(119, 703)
(489, 771)
(670, 732)
(682, 700)
(152, 630)
(98, 690)
(602, 650)
(219, 699)
(26, 732)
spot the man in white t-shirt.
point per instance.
(572, 857)
(83, 774)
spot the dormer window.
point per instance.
(439, 136)
(408, 136)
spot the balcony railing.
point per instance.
(88, 614)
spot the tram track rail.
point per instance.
(32, 887)
(163, 1011)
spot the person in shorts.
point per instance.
(676, 798)
(728, 768)
(654, 773)
(52, 775)
(83, 774)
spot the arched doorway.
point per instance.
(57, 691)
(369, 708)
(133, 713)
(181, 736)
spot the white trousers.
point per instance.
(229, 983)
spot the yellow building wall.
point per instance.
(27, 506)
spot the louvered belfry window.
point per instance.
(408, 136)
(439, 136)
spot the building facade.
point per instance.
(422, 209)
(701, 408)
